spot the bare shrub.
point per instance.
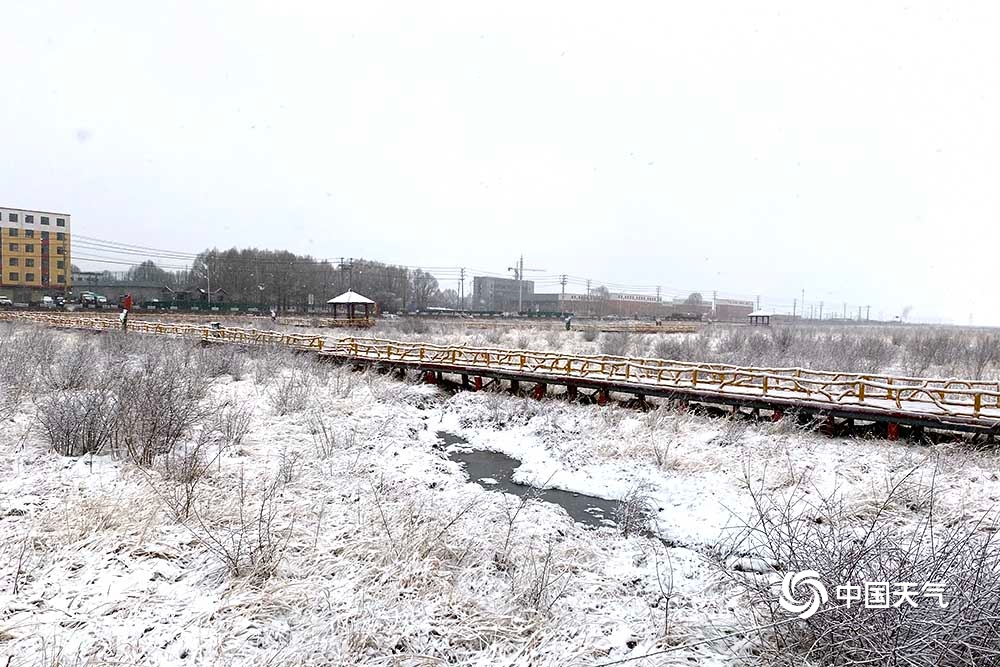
(542, 580)
(553, 339)
(924, 349)
(291, 392)
(615, 344)
(252, 543)
(589, 334)
(634, 509)
(413, 325)
(873, 353)
(342, 380)
(288, 465)
(233, 420)
(186, 466)
(72, 367)
(809, 531)
(219, 360)
(157, 406)
(325, 436)
(77, 422)
(981, 352)
(522, 340)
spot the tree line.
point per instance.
(283, 279)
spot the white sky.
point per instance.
(848, 149)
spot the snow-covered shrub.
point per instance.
(251, 540)
(979, 354)
(73, 367)
(232, 421)
(77, 422)
(634, 509)
(589, 334)
(219, 360)
(291, 392)
(615, 344)
(812, 531)
(156, 407)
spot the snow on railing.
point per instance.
(945, 396)
(949, 396)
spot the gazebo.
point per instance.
(350, 300)
(760, 317)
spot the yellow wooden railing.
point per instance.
(944, 396)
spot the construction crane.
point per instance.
(519, 277)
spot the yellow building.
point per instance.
(34, 252)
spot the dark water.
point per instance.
(483, 465)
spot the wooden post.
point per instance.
(892, 431)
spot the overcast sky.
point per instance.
(846, 149)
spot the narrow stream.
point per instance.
(494, 471)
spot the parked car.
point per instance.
(5, 301)
(48, 302)
(102, 300)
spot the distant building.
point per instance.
(34, 251)
(501, 294)
(732, 310)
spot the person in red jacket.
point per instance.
(126, 307)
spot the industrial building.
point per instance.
(34, 253)
(501, 294)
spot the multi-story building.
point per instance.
(501, 294)
(34, 253)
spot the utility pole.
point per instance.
(859, 313)
(208, 276)
(868, 312)
(845, 310)
(461, 291)
(820, 310)
(795, 303)
(758, 302)
(804, 303)
(562, 281)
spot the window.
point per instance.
(30, 219)
(12, 232)
(12, 261)
(13, 247)
(29, 233)
(45, 220)
(60, 222)
(60, 236)
(29, 247)
(60, 278)
(60, 250)
(13, 217)
(45, 235)
(45, 264)
(29, 277)
(13, 277)
(60, 264)
(29, 262)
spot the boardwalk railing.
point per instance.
(947, 396)
(205, 332)
(974, 399)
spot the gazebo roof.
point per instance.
(760, 313)
(350, 296)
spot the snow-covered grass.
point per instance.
(333, 529)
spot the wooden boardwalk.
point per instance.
(934, 403)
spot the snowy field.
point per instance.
(255, 507)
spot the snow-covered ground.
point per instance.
(386, 553)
